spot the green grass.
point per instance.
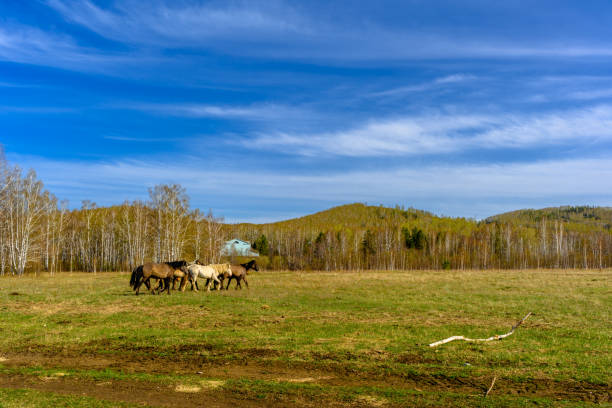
(20, 398)
(362, 337)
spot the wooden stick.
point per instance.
(496, 337)
(491, 387)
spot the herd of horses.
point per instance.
(168, 273)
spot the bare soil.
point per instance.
(161, 395)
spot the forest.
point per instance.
(40, 233)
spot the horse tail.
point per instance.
(135, 276)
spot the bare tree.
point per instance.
(214, 227)
(25, 207)
(171, 206)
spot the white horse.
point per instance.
(195, 271)
(208, 272)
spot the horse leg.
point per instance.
(245, 282)
(137, 286)
(160, 286)
(194, 283)
(167, 282)
(229, 280)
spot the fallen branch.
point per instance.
(491, 387)
(497, 337)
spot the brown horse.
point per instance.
(165, 272)
(239, 272)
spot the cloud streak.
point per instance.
(254, 112)
(29, 45)
(427, 86)
(443, 134)
(280, 30)
(584, 181)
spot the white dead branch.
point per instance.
(496, 337)
(491, 387)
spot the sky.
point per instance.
(267, 110)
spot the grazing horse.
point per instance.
(163, 271)
(224, 271)
(239, 272)
(180, 273)
(195, 271)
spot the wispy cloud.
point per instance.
(181, 24)
(440, 134)
(426, 86)
(281, 30)
(141, 139)
(29, 45)
(591, 94)
(254, 112)
(456, 187)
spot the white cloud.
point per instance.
(436, 83)
(245, 112)
(28, 45)
(591, 94)
(456, 188)
(440, 134)
(283, 30)
(181, 24)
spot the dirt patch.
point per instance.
(155, 395)
(334, 375)
(371, 401)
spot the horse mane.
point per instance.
(249, 264)
(176, 264)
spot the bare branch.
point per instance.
(496, 337)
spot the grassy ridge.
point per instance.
(348, 338)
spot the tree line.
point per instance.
(40, 233)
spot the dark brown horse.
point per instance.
(239, 273)
(179, 275)
(165, 272)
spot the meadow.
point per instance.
(309, 339)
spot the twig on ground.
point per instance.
(496, 337)
(491, 387)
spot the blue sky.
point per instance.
(274, 109)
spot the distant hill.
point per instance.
(370, 237)
(355, 215)
(360, 215)
(594, 217)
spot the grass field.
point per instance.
(309, 339)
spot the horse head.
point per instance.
(251, 265)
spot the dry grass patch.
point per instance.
(372, 401)
(212, 384)
(187, 388)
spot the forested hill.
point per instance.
(351, 216)
(590, 217)
(360, 236)
(360, 215)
